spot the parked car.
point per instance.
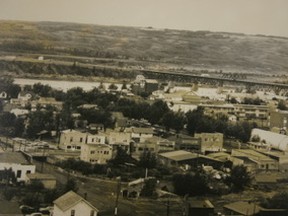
(25, 209)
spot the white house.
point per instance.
(71, 204)
(119, 139)
(19, 112)
(18, 163)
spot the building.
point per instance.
(176, 158)
(142, 85)
(199, 208)
(210, 142)
(18, 163)
(48, 181)
(140, 134)
(279, 119)
(119, 139)
(241, 208)
(72, 140)
(71, 204)
(96, 153)
(270, 139)
(255, 160)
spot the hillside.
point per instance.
(186, 49)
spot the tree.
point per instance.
(171, 120)
(192, 184)
(121, 158)
(156, 111)
(239, 178)
(282, 105)
(148, 160)
(149, 187)
(71, 184)
(278, 201)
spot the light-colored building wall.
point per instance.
(80, 209)
(72, 140)
(20, 170)
(96, 153)
(210, 141)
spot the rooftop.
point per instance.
(243, 208)
(70, 199)
(179, 155)
(13, 157)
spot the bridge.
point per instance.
(186, 76)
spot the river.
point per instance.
(64, 85)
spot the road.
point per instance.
(102, 194)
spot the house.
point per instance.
(96, 153)
(48, 181)
(241, 208)
(71, 204)
(18, 163)
(199, 208)
(255, 160)
(210, 142)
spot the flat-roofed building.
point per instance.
(210, 142)
(18, 163)
(96, 153)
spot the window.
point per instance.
(92, 152)
(71, 139)
(28, 171)
(73, 212)
(81, 139)
(19, 172)
(92, 213)
(68, 147)
(78, 147)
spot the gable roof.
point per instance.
(13, 158)
(243, 208)
(70, 199)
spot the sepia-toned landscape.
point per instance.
(106, 120)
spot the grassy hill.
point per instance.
(186, 49)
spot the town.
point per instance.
(143, 147)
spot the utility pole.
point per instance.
(117, 195)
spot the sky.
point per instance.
(268, 17)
